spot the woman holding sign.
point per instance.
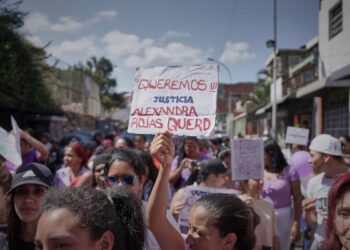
(216, 221)
(281, 183)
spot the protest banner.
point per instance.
(10, 144)
(299, 136)
(191, 195)
(248, 159)
(180, 99)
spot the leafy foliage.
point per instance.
(101, 71)
(22, 65)
(261, 94)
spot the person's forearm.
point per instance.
(297, 208)
(85, 180)
(276, 243)
(175, 175)
(37, 145)
(157, 203)
(296, 194)
(156, 220)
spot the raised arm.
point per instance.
(37, 145)
(295, 230)
(163, 149)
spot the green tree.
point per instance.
(101, 71)
(22, 64)
(261, 94)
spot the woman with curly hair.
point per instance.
(88, 219)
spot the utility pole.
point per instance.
(274, 99)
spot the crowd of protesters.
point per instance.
(124, 193)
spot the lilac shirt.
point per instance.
(185, 173)
(279, 191)
(29, 157)
(62, 176)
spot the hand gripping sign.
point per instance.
(180, 99)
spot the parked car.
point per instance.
(84, 137)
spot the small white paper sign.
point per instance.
(179, 99)
(8, 148)
(299, 136)
(248, 159)
(17, 134)
(192, 194)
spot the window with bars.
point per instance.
(336, 121)
(336, 19)
(336, 112)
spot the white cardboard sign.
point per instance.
(10, 144)
(247, 159)
(299, 136)
(179, 99)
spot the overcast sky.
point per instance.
(169, 32)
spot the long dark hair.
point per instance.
(181, 152)
(340, 187)
(100, 159)
(278, 161)
(182, 155)
(131, 157)
(129, 211)
(152, 174)
(14, 225)
(152, 170)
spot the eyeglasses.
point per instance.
(129, 180)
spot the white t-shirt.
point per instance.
(151, 241)
(318, 188)
(266, 229)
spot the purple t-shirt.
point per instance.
(62, 176)
(185, 173)
(29, 157)
(279, 191)
(300, 162)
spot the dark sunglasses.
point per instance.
(129, 180)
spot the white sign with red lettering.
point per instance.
(180, 99)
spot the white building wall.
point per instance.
(92, 98)
(334, 52)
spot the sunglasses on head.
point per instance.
(129, 180)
